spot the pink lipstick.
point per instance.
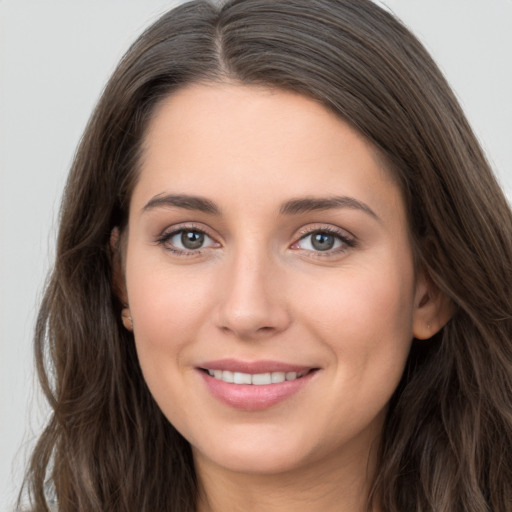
(255, 385)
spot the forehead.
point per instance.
(197, 108)
(246, 142)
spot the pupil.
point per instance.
(322, 241)
(192, 239)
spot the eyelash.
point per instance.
(347, 242)
(165, 240)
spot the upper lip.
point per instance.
(253, 367)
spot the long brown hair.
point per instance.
(447, 441)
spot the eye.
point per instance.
(324, 240)
(186, 240)
(189, 239)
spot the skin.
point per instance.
(259, 290)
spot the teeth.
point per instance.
(259, 379)
(256, 379)
(228, 376)
(242, 378)
(277, 377)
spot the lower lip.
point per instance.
(250, 397)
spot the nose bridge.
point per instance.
(252, 305)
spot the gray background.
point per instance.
(55, 56)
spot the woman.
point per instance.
(283, 278)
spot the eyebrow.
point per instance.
(291, 207)
(309, 204)
(182, 201)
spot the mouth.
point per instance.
(256, 379)
(257, 385)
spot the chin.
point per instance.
(256, 456)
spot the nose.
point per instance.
(253, 304)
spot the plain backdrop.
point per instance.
(55, 57)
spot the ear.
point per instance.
(127, 319)
(432, 308)
(118, 281)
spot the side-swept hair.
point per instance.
(447, 441)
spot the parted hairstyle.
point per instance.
(447, 440)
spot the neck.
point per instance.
(335, 487)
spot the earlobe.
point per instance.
(433, 308)
(127, 319)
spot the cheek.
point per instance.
(369, 341)
(366, 320)
(167, 309)
(361, 301)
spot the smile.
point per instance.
(256, 379)
(257, 385)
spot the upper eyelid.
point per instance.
(328, 228)
(186, 226)
(347, 239)
(165, 235)
(164, 240)
(299, 234)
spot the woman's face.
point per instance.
(268, 245)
